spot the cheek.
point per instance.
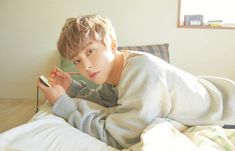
(81, 70)
(110, 56)
(106, 66)
(104, 60)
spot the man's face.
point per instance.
(95, 61)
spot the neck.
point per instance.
(116, 72)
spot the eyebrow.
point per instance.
(88, 45)
(85, 48)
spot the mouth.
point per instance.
(93, 75)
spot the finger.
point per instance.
(58, 69)
(64, 75)
(60, 73)
(53, 72)
(52, 81)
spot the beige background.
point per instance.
(29, 30)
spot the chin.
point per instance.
(99, 82)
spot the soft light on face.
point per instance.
(95, 61)
(110, 57)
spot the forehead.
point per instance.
(85, 47)
(88, 44)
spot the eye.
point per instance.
(90, 52)
(76, 62)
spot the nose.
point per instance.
(87, 65)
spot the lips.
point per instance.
(93, 75)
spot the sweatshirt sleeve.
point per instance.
(86, 116)
(104, 95)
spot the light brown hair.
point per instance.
(77, 33)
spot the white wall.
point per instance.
(29, 30)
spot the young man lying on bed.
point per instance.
(135, 87)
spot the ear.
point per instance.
(114, 45)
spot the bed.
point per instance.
(47, 132)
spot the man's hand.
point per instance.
(58, 77)
(51, 93)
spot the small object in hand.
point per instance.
(44, 80)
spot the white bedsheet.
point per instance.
(47, 132)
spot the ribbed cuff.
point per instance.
(64, 106)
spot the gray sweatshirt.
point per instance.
(148, 88)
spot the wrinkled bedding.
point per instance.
(47, 132)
